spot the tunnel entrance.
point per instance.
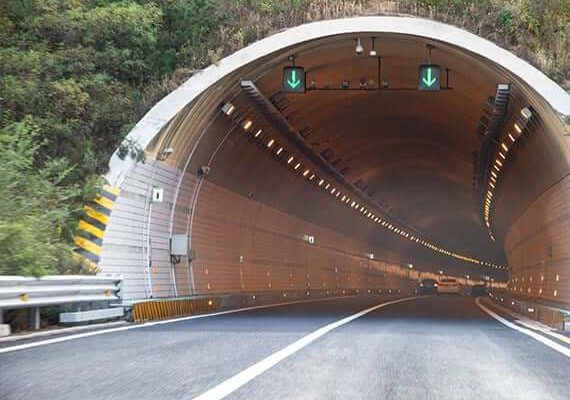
(363, 180)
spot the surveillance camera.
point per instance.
(204, 170)
(359, 49)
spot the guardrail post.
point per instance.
(1, 316)
(34, 318)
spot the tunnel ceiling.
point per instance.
(412, 152)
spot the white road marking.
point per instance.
(547, 342)
(232, 384)
(148, 324)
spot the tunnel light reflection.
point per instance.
(369, 214)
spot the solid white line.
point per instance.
(148, 324)
(232, 384)
(547, 342)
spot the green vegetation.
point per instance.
(75, 75)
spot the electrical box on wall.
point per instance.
(179, 245)
(157, 194)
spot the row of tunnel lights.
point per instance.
(498, 164)
(328, 187)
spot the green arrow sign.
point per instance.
(429, 77)
(294, 79)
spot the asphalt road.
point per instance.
(427, 348)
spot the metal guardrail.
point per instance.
(32, 293)
(22, 292)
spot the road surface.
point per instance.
(424, 348)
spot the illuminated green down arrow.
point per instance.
(428, 80)
(294, 79)
(429, 77)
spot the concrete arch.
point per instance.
(151, 124)
(250, 206)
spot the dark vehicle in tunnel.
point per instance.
(478, 290)
(428, 286)
(448, 286)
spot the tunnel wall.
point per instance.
(538, 247)
(233, 254)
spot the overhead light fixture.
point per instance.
(258, 133)
(373, 51)
(270, 143)
(321, 182)
(290, 160)
(504, 146)
(279, 150)
(358, 49)
(512, 137)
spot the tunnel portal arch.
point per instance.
(273, 250)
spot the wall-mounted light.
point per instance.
(228, 108)
(165, 153)
(247, 124)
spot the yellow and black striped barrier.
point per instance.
(91, 229)
(153, 310)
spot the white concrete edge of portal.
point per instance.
(148, 324)
(230, 385)
(151, 124)
(547, 342)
